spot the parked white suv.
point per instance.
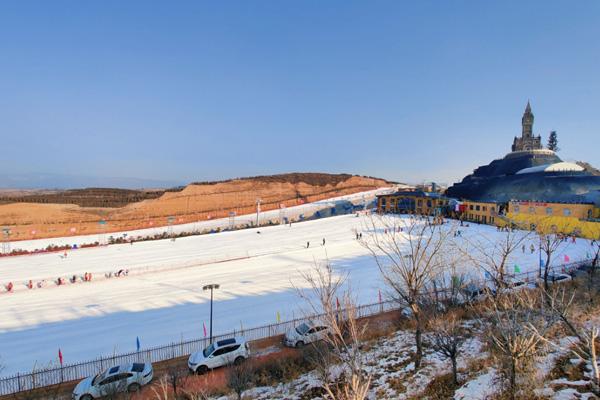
(122, 378)
(305, 333)
(218, 354)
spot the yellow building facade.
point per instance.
(567, 218)
(480, 212)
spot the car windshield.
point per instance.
(99, 377)
(302, 329)
(209, 350)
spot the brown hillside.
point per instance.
(196, 202)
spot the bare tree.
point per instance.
(410, 254)
(560, 304)
(517, 330)
(240, 378)
(592, 270)
(549, 244)
(494, 256)
(447, 337)
(176, 377)
(327, 296)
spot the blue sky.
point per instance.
(184, 91)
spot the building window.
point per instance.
(516, 209)
(429, 203)
(419, 203)
(549, 211)
(484, 208)
(471, 207)
(566, 212)
(492, 209)
(477, 208)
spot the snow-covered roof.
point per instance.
(556, 167)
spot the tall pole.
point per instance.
(211, 287)
(211, 312)
(257, 210)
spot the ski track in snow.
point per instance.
(86, 320)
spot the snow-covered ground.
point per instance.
(161, 300)
(295, 213)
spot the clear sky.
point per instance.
(186, 91)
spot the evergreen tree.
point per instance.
(553, 142)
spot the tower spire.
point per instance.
(527, 122)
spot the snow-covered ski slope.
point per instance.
(295, 213)
(162, 301)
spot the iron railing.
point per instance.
(70, 372)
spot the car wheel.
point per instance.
(299, 344)
(86, 397)
(239, 360)
(134, 387)
(202, 369)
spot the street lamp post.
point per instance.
(211, 287)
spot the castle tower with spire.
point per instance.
(527, 141)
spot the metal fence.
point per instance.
(69, 372)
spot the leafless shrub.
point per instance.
(518, 326)
(446, 339)
(560, 303)
(161, 388)
(343, 348)
(240, 377)
(176, 377)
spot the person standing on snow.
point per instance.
(307, 245)
(323, 241)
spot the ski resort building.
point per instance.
(480, 212)
(414, 202)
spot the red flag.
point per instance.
(60, 358)
(566, 258)
(204, 326)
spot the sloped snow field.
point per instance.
(161, 300)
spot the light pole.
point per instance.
(211, 287)
(258, 201)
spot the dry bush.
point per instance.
(279, 370)
(447, 336)
(440, 387)
(561, 303)
(516, 332)
(345, 335)
(240, 377)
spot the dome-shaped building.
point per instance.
(529, 172)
